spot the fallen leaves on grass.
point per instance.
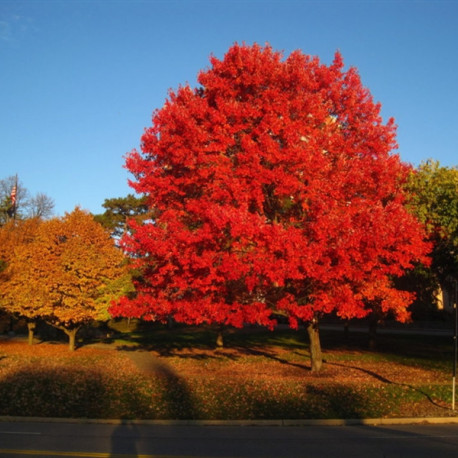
(231, 383)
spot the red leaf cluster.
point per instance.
(275, 190)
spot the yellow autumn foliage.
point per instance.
(68, 274)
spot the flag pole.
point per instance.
(15, 199)
(12, 208)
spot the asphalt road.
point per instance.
(62, 439)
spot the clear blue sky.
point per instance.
(79, 80)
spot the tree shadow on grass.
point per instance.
(337, 400)
(340, 401)
(176, 338)
(273, 356)
(408, 346)
(180, 338)
(47, 392)
(176, 400)
(390, 382)
(331, 398)
(186, 353)
(67, 392)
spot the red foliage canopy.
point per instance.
(275, 189)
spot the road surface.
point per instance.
(132, 440)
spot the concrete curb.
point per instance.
(280, 422)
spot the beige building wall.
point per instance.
(444, 299)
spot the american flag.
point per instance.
(13, 195)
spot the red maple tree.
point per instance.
(275, 190)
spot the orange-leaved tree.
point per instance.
(67, 275)
(13, 234)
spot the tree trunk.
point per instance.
(31, 328)
(316, 356)
(373, 321)
(71, 333)
(11, 326)
(170, 322)
(346, 330)
(219, 338)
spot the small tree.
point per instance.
(67, 275)
(119, 210)
(275, 190)
(40, 206)
(433, 191)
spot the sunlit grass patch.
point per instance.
(247, 379)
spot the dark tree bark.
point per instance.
(346, 330)
(373, 322)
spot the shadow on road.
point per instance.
(124, 440)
